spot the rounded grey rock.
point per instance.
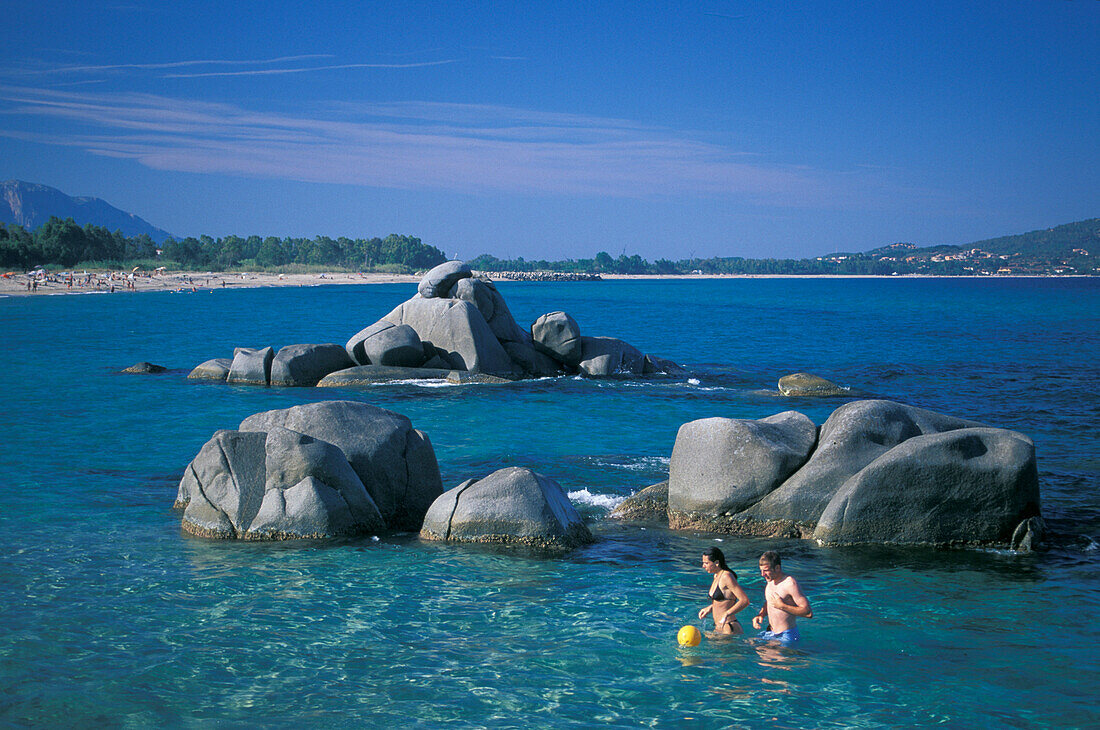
(512, 505)
(439, 281)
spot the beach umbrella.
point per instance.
(134, 269)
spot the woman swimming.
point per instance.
(727, 597)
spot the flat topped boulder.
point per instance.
(808, 385)
(251, 366)
(439, 281)
(513, 506)
(395, 461)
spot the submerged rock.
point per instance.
(646, 505)
(513, 506)
(805, 384)
(145, 368)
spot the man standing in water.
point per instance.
(783, 601)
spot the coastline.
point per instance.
(208, 280)
(188, 281)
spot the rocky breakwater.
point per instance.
(510, 506)
(312, 471)
(875, 472)
(456, 323)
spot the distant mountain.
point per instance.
(30, 205)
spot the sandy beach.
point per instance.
(121, 283)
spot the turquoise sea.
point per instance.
(112, 617)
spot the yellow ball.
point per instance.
(689, 636)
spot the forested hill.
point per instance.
(31, 205)
(1049, 242)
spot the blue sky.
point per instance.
(557, 130)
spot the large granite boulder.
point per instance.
(483, 294)
(969, 485)
(805, 384)
(512, 505)
(607, 356)
(852, 437)
(251, 366)
(216, 369)
(439, 281)
(386, 343)
(645, 505)
(720, 466)
(457, 328)
(530, 361)
(558, 335)
(395, 462)
(304, 365)
(273, 485)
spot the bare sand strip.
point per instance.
(120, 282)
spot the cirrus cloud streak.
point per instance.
(417, 146)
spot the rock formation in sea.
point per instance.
(317, 470)
(875, 472)
(456, 323)
(513, 506)
(806, 384)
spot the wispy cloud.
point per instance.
(174, 64)
(306, 69)
(413, 145)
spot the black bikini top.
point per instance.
(716, 593)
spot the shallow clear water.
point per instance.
(114, 617)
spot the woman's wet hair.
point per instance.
(715, 555)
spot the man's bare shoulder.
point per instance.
(788, 584)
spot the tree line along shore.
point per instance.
(1061, 251)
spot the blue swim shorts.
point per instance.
(786, 638)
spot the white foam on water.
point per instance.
(646, 463)
(606, 501)
(693, 381)
(421, 383)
